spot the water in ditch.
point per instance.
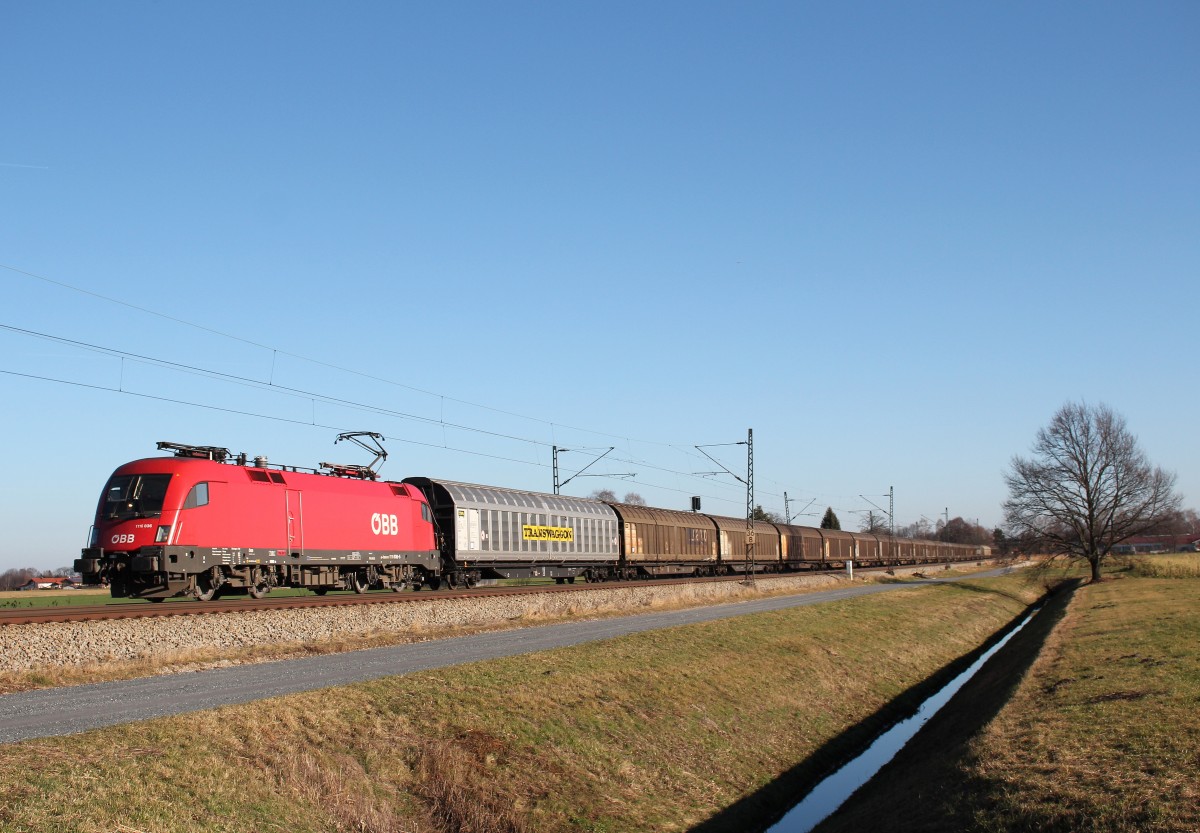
(828, 795)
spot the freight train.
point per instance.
(204, 522)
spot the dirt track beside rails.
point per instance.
(25, 648)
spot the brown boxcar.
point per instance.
(801, 546)
(926, 551)
(868, 551)
(666, 541)
(839, 546)
(732, 536)
(890, 547)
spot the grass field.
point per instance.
(1178, 565)
(1102, 734)
(657, 731)
(52, 598)
(94, 595)
(100, 596)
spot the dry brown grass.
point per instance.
(1179, 565)
(1103, 733)
(650, 732)
(654, 731)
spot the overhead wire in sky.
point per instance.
(443, 398)
(270, 384)
(299, 393)
(277, 351)
(210, 407)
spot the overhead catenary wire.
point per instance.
(271, 385)
(318, 362)
(307, 395)
(313, 424)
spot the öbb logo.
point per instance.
(384, 524)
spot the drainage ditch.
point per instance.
(828, 795)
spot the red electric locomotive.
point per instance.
(203, 521)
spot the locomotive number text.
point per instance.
(384, 524)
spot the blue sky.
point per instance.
(891, 238)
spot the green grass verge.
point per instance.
(99, 596)
(657, 731)
(52, 598)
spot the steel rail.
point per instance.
(191, 607)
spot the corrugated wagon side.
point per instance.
(802, 548)
(868, 549)
(839, 547)
(485, 532)
(660, 542)
(765, 551)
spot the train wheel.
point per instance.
(359, 582)
(434, 583)
(208, 585)
(320, 591)
(259, 590)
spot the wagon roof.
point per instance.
(474, 493)
(663, 517)
(739, 525)
(803, 531)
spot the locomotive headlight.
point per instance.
(163, 533)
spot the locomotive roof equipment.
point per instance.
(201, 452)
(359, 438)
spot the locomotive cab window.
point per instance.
(198, 496)
(425, 516)
(135, 496)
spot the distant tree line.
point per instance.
(632, 498)
(18, 577)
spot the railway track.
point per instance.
(190, 607)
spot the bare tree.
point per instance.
(959, 531)
(1087, 487)
(874, 523)
(1185, 522)
(918, 529)
(760, 514)
(605, 494)
(635, 499)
